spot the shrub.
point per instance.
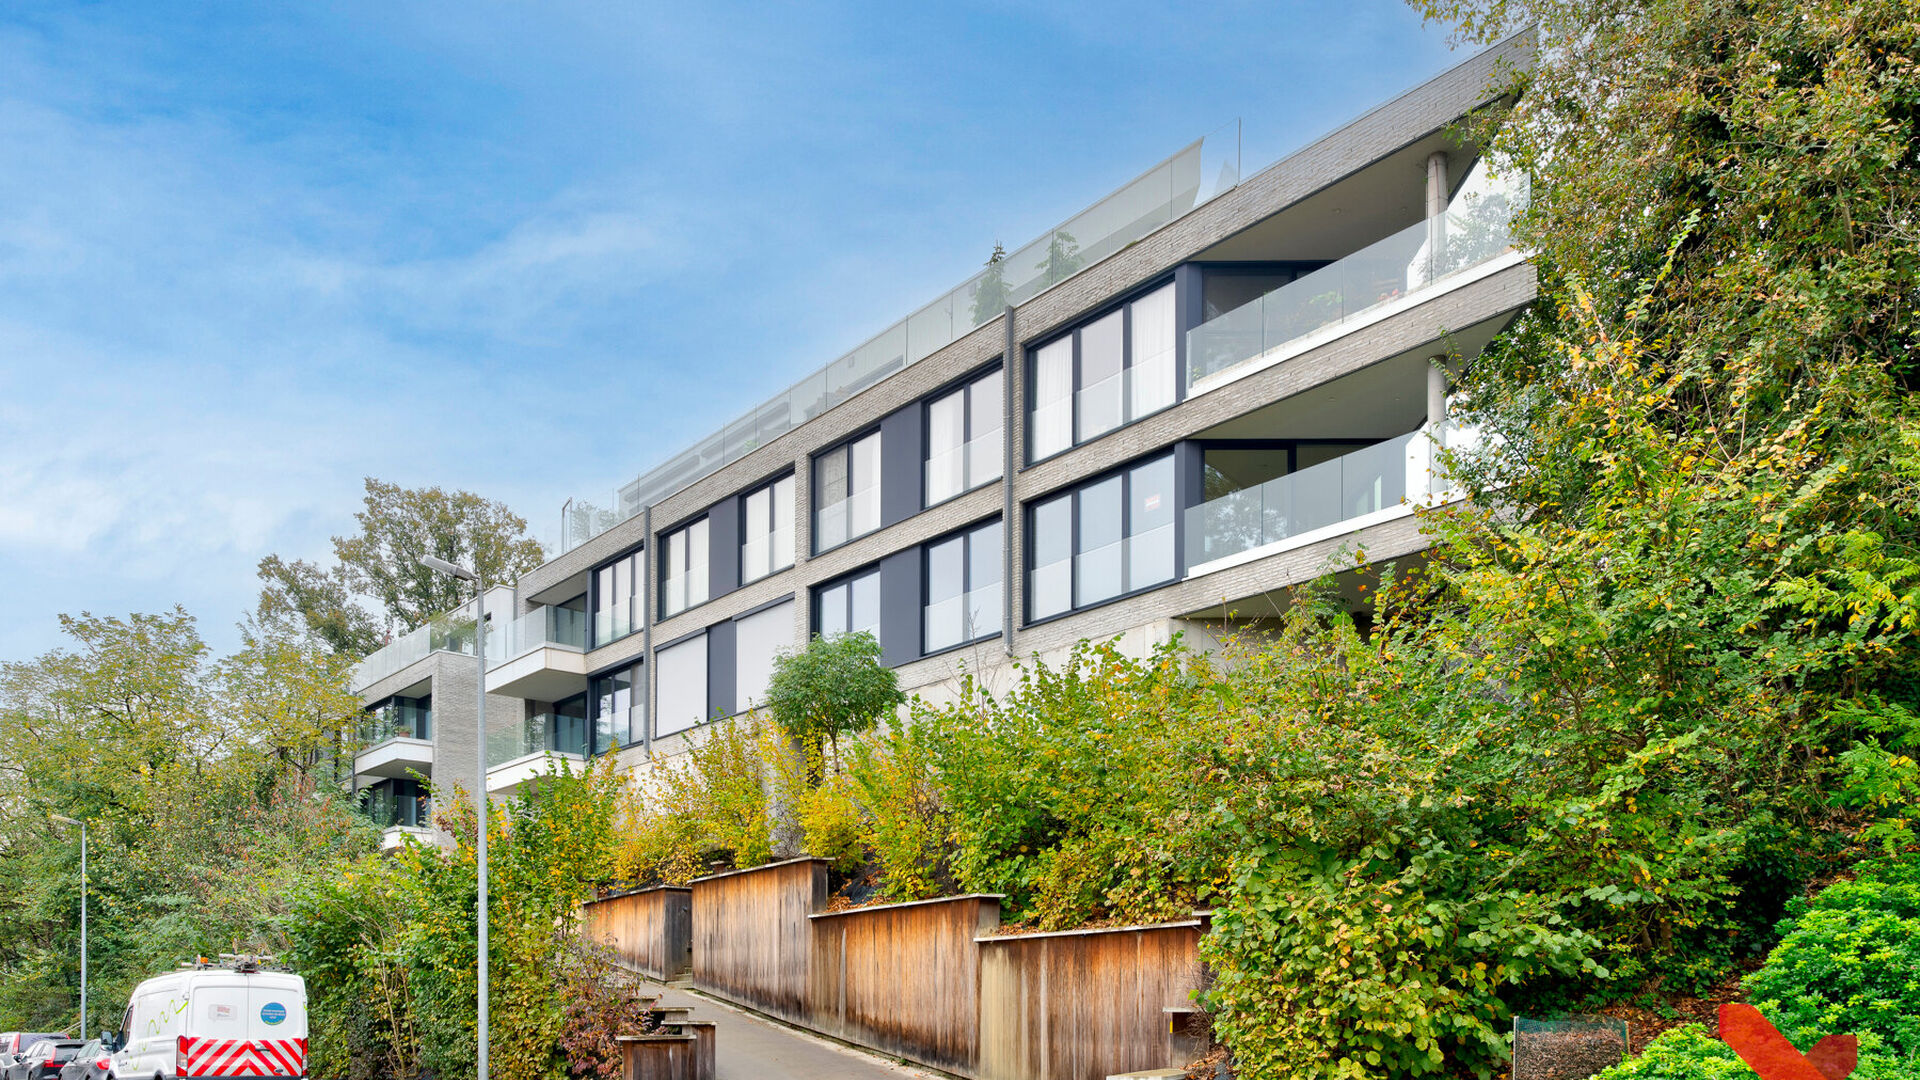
(1685, 1053)
(709, 805)
(1849, 961)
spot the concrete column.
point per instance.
(1436, 213)
(1436, 390)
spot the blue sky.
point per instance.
(251, 253)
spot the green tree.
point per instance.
(990, 292)
(834, 687)
(399, 526)
(302, 597)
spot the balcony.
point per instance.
(1192, 177)
(449, 633)
(1472, 239)
(540, 655)
(526, 750)
(1350, 492)
(398, 742)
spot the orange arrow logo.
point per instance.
(1768, 1052)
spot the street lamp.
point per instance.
(63, 819)
(480, 846)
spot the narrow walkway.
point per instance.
(750, 1047)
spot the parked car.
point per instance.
(238, 1017)
(93, 1062)
(15, 1043)
(43, 1059)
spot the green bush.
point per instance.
(1849, 961)
(1685, 1053)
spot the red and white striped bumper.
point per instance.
(224, 1058)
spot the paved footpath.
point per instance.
(750, 1047)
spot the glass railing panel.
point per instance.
(1475, 228)
(1052, 585)
(946, 474)
(1150, 557)
(855, 515)
(1196, 173)
(1351, 486)
(1100, 406)
(1097, 573)
(679, 592)
(986, 457)
(946, 623)
(1150, 385)
(1052, 427)
(766, 554)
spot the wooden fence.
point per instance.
(651, 929)
(1085, 1003)
(928, 981)
(752, 943)
(904, 978)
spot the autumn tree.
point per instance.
(381, 563)
(399, 526)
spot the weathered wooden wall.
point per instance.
(1084, 1004)
(904, 978)
(652, 929)
(752, 942)
(924, 981)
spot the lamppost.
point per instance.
(480, 723)
(63, 819)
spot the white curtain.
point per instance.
(758, 639)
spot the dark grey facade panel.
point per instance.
(721, 669)
(900, 600)
(723, 547)
(902, 475)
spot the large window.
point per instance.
(399, 802)
(686, 579)
(963, 588)
(766, 530)
(399, 718)
(758, 639)
(849, 606)
(618, 703)
(1108, 372)
(619, 588)
(682, 692)
(846, 487)
(1102, 540)
(964, 432)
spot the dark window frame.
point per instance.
(1072, 492)
(740, 553)
(965, 535)
(818, 593)
(815, 487)
(1123, 305)
(964, 386)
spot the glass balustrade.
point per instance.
(1192, 177)
(447, 633)
(1475, 228)
(1407, 469)
(542, 733)
(539, 628)
(856, 515)
(965, 467)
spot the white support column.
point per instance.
(1436, 391)
(1436, 213)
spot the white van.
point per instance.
(214, 1021)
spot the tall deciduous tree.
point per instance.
(302, 596)
(400, 526)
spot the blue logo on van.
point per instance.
(273, 1012)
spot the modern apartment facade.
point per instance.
(1155, 419)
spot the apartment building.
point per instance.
(1157, 418)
